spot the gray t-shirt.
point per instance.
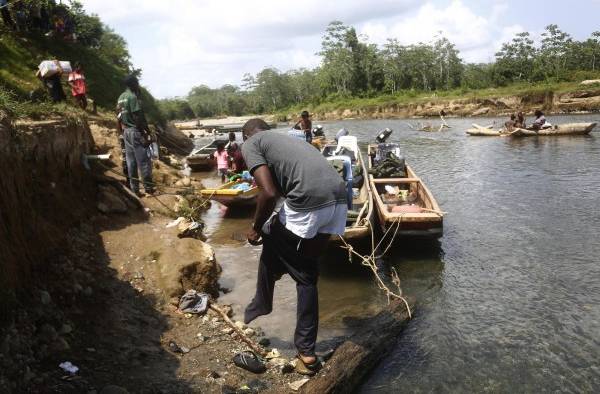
(302, 174)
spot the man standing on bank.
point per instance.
(314, 207)
(136, 135)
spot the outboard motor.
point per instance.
(341, 133)
(383, 135)
(318, 131)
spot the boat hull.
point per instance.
(230, 197)
(428, 224)
(558, 130)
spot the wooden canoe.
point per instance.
(428, 223)
(557, 130)
(231, 197)
(201, 159)
(360, 229)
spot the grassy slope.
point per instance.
(19, 58)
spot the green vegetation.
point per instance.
(102, 53)
(357, 74)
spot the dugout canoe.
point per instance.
(202, 159)
(232, 198)
(360, 218)
(428, 219)
(556, 130)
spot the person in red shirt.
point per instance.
(78, 87)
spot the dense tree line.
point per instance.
(353, 67)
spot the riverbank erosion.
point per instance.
(580, 99)
(92, 275)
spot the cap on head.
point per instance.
(254, 125)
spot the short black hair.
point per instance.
(304, 114)
(131, 81)
(255, 124)
(538, 112)
(231, 136)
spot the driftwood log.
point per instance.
(360, 353)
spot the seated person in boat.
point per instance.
(305, 125)
(313, 208)
(510, 125)
(237, 159)
(520, 122)
(539, 122)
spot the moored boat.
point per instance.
(202, 159)
(404, 205)
(232, 195)
(359, 220)
(556, 130)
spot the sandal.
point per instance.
(307, 369)
(250, 362)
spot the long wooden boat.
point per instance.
(426, 220)
(360, 218)
(232, 198)
(557, 130)
(202, 159)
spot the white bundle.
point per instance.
(48, 68)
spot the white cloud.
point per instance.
(184, 43)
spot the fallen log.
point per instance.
(361, 352)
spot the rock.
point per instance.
(112, 389)
(186, 182)
(298, 383)
(66, 329)
(249, 332)
(240, 325)
(47, 334)
(227, 331)
(188, 264)
(109, 202)
(61, 345)
(590, 82)
(276, 362)
(264, 342)
(45, 298)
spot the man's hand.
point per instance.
(254, 238)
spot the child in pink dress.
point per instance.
(222, 161)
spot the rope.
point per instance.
(369, 261)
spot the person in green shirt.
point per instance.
(136, 135)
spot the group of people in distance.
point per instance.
(518, 122)
(76, 80)
(229, 158)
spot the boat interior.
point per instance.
(399, 194)
(348, 147)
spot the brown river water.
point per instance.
(507, 301)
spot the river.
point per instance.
(509, 301)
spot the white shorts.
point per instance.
(307, 224)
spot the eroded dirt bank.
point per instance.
(93, 277)
(581, 101)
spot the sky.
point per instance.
(180, 44)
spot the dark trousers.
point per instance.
(282, 254)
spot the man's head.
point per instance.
(304, 115)
(132, 82)
(78, 67)
(232, 136)
(253, 126)
(513, 116)
(538, 113)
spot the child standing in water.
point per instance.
(222, 161)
